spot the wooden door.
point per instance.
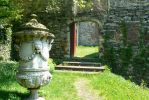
(73, 37)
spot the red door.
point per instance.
(73, 37)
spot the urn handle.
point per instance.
(50, 43)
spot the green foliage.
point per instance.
(141, 61)
(51, 65)
(9, 10)
(123, 28)
(85, 5)
(5, 35)
(57, 7)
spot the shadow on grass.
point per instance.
(12, 95)
(93, 55)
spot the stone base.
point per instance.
(34, 95)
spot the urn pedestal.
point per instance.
(33, 43)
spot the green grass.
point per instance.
(61, 87)
(114, 87)
(87, 52)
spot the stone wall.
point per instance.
(132, 13)
(61, 45)
(126, 39)
(136, 17)
(60, 28)
(88, 34)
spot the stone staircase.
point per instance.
(80, 66)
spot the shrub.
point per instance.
(52, 65)
(8, 71)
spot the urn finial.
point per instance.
(34, 16)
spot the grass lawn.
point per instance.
(87, 52)
(106, 84)
(114, 87)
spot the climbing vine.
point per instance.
(127, 59)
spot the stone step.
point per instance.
(83, 59)
(66, 63)
(80, 68)
(82, 72)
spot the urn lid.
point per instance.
(33, 30)
(34, 24)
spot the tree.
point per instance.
(9, 10)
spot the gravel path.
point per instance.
(83, 90)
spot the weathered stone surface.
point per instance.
(33, 44)
(128, 10)
(88, 34)
(134, 15)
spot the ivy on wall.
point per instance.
(127, 59)
(9, 10)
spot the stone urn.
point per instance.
(33, 43)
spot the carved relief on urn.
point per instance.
(33, 44)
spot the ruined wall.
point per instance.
(60, 28)
(135, 15)
(131, 12)
(126, 40)
(88, 34)
(61, 45)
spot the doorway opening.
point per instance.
(84, 40)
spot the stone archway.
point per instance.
(73, 32)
